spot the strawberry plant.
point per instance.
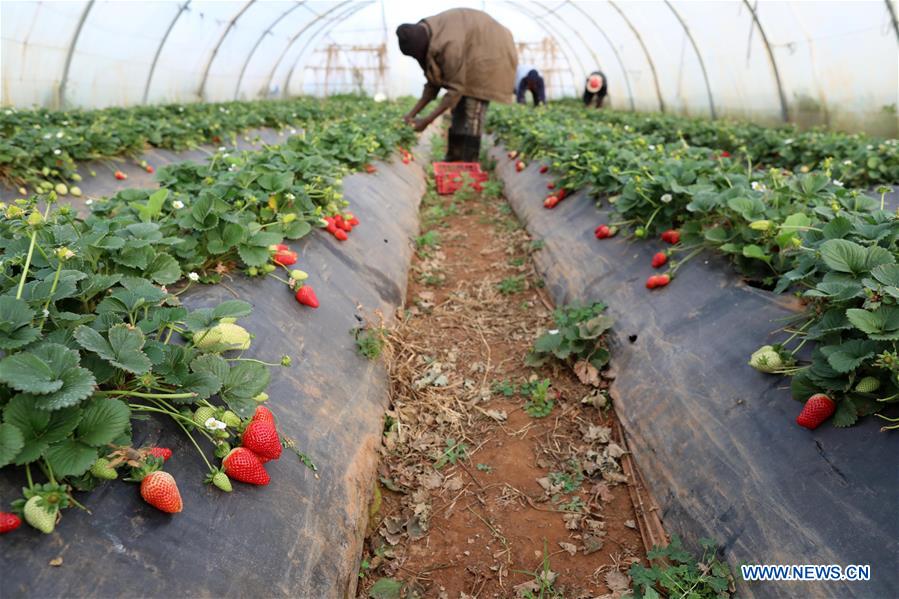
(778, 203)
(93, 332)
(579, 336)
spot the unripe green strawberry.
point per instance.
(252, 271)
(768, 361)
(640, 232)
(869, 384)
(261, 398)
(231, 419)
(202, 414)
(76, 177)
(39, 516)
(221, 480)
(224, 336)
(268, 268)
(102, 469)
(75, 191)
(61, 189)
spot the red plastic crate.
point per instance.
(449, 176)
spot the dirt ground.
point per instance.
(477, 497)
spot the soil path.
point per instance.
(477, 496)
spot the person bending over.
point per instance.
(595, 90)
(471, 56)
(531, 81)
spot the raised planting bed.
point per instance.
(715, 439)
(300, 535)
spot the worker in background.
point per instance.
(529, 80)
(471, 56)
(596, 89)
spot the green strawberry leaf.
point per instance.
(11, 443)
(253, 255)
(102, 421)
(232, 309)
(165, 270)
(243, 382)
(212, 364)
(39, 371)
(297, 229)
(882, 324)
(387, 588)
(77, 384)
(887, 274)
(203, 384)
(849, 355)
(754, 251)
(38, 427)
(123, 349)
(846, 414)
(70, 458)
(15, 323)
(844, 256)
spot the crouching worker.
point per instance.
(530, 81)
(471, 56)
(595, 90)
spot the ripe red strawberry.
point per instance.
(544, 169)
(163, 453)
(659, 259)
(306, 296)
(261, 438)
(281, 247)
(725, 154)
(562, 194)
(662, 280)
(340, 234)
(651, 282)
(550, 185)
(551, 201)
(345, 225)
(244, 465)
(519, 166)
(370, 168)
(512, 155)
(602, 231)
(405, 159)
(9, 522)
(160, 490)
(816, 410)
(120, 175)
(150, 169)
(353, 220)
(285, 257)
(672, 236)
(263, 414)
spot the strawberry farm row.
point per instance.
(785, 224)
(93, 332)
(40, 148)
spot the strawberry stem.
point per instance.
(251, 360)
(171, 413)
(27, 265)
(28, 476)
(150, 395)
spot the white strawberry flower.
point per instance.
(293, 131)
(225, 155)
(553, 332)
(838, 183)
(8, 112)
(652, 147)
(193, 276)
(177, 204)
(57, 152)
(89, 202)
(788, 141)
(222, 148)
(46, 313)
(47, 136)
(214, 425)
(666, 198)
(59, 135)
(847, 162)
(756, 185)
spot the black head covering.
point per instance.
(413, 39)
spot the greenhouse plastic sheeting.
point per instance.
(717, 443)
(301, 536)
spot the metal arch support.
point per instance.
(162, 42)
(294, 38)
(267, 31)
(341, 17)
(61, 94)
(589, 47)
(652, 66)
(705, 74)
(784, 112)
(554, 38)
(892, 12)
(627, 80)
(570, 47)
(202, 91)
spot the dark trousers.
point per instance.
(464, 143)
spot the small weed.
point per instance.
(503, 388)
(492, 189)
(428, 240)
(538, 405)
(517, 261)
(455, 451)
(364, 567)
(680, 574)
(369, 341)
(505, 209)
(432, 279)
(575, 505)
(537, 244)
(438, 145)
(570, 480)
(542, 587)
(485, 468)
(511, 285)
(579, 335)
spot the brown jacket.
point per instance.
(470, 54)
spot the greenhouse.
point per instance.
(391, 300)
